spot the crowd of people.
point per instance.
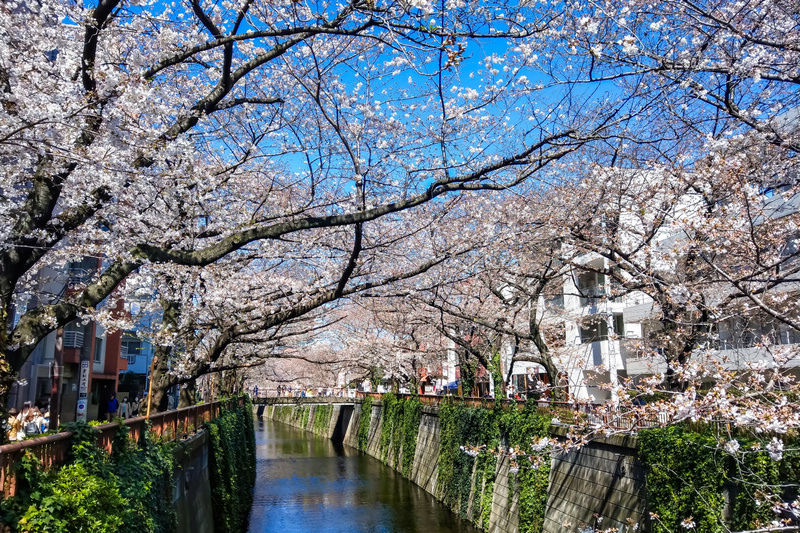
(34, 420)
(124, 409)
(29, 422)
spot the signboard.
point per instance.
(81, 410)
(83, 391)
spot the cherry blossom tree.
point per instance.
(714, 68)
(510, 297)
(160, 136)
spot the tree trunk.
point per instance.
(161, 380)
(7, 377)
(188, 394)
(535, 331)
(8, 358)
(557, 392)
(677, 344)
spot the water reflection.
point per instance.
(307, 483)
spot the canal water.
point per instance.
(306, 483)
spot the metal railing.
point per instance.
(327, 392)
(294, 400)
(53, 450)
(600, 415)
(569, 413)
(484, 403)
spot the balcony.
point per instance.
(634, 348)
(78, 276)
(555, 302)
(589, 295)
(73, 339)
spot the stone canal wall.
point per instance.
(603, 479)
(600, 486)
(191, 487)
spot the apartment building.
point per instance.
(57, 359)
(612, 334)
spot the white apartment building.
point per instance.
(609, 333)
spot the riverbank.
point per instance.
(658, 480)
(448, 452)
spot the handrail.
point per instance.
(591, 413)
(601, 415)
(52, 450)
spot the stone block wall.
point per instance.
(426, 455)
(603, 480)
(504, 516)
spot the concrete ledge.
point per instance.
(621, 440)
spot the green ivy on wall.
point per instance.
(688, 474)
(322, 419)
(519, 428)
(482, 431)
(389, 406)
(232, 468)
(363, 423)
(412, 416)
(685, 476)
(399, 427)
(752, 510)
(487, 466)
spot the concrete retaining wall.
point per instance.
(191, 489)
(602, 479)
(426, 455)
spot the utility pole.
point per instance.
(55, 390)
(83, 385)
(150, 386)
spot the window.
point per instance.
(98, 349)
(130, 348)
(591, 286)
(555, 301)
(619, 325)
(594, 330)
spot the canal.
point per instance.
(306, 483)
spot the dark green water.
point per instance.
(306, 483)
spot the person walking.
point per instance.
(113, 405)
(14, 424)
(135, 406)
(40, 419)
(30, 426)
(125, 408)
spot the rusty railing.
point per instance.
(596, 414)
(53, 450)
